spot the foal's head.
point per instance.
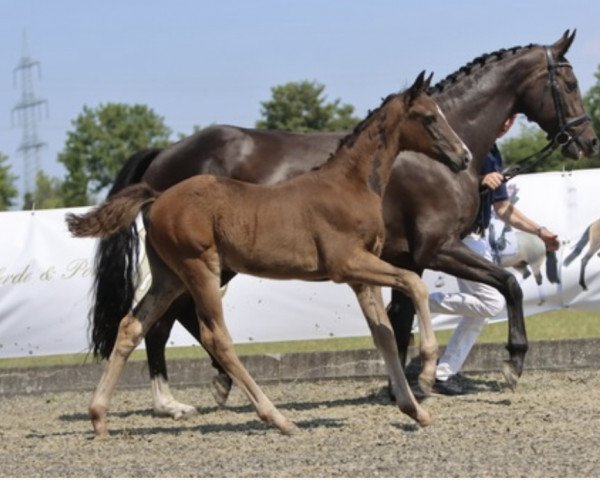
(426, 130)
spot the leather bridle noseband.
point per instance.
(565, 124)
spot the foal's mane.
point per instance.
(477, 64)
(349, 139)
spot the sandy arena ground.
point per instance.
(550, 427)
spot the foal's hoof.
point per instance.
(510, 375)
(101, 437)
(100, 429)
(424, 418)
(221, 387)
(99, 421)
(290, 429)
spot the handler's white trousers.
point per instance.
(476, 302)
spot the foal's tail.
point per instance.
(552, 267)
(114, 214)
(579, 247)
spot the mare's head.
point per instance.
(552, 99)
(426, 130)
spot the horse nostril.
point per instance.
(467, 158)
(595, 144)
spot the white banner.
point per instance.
(46, 276)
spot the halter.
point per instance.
(564, 136)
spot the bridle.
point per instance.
(565, 134)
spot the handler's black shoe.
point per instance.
(451, 386)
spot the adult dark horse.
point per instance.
(427, 208)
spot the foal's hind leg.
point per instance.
(204, 286)
(132, 329)
(221, 382)
(371, 302)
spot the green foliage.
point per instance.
(48, 194)
(301, 107)
(8, 190)
(591, 100)
(101, 141)
(195, 129)
(531, 140)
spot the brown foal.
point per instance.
(323, 225)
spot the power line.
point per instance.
(27, 112)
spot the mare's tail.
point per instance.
(552, 267)
(115, 265)
(579, 247)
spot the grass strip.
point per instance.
(556, 325)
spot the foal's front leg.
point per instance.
(367, 268)
(371, 303)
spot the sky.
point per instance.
(200, 62)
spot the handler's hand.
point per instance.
(550, 239)
(492, 180)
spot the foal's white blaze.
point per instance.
(463, 145)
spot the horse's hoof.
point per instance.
(290, 429)
(100, 429)
(100, 437)
(221, 387)
(426, 385)
(184, 411)
(176, 410)
(510, 375)
(424, 418)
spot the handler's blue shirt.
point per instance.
(492, 163)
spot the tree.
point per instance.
(591, 101)
(301, 107)
(8, 190)
(101, 141)
(48, 193)
(530, 140)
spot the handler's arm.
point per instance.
(511, 215)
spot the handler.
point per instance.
(477, 302)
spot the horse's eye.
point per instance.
(429, 119)
(571, 86)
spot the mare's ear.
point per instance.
(417, 87)
(560, 47)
